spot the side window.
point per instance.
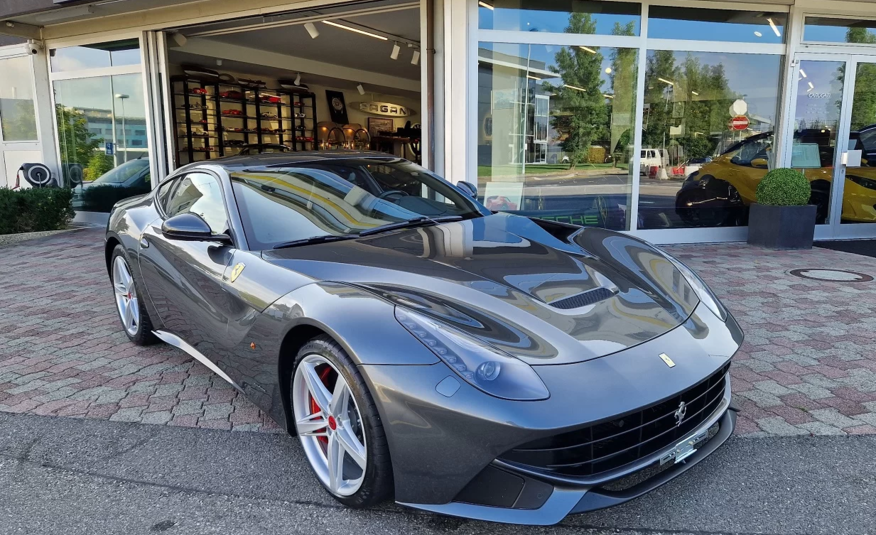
(164, 193)
(199, 194)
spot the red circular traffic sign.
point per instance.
(740, 122)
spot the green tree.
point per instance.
(623, 90)
(581, 115)
(97, 165)
(78, 145)
(18, 120)
(864, 99)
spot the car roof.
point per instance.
(287, 159)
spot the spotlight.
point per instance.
(311, 29)
(298, 79)
(416, 59)
(179, 38)
(395, 51)
(219, 62)
(361, 89)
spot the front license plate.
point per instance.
(684, 449)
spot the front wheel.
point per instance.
(338, 425)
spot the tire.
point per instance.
(371, 485)
(126, 291)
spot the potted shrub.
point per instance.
(782, 217)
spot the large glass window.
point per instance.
(555, 127)
(833, 30)
(101, 126)
(557, 119)
(706, 136)
(602, 18)
(716, 25)
(859, 190)
(17, 115)
(96, 56)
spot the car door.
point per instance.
(184, 278)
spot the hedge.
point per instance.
(35, 210)
(784, 187)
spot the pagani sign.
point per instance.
(387, 109)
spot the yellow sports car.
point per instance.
(719, 193)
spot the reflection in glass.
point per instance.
(832, 30)
(706, 136)
(555, 130)
(17, 116)
(95, 56)
(859, 189)
(816, 123)
(716, 25)
(559, 16)
(102, 125)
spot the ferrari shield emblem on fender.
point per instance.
(238, 269)
(663, 356)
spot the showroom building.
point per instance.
(657, 118)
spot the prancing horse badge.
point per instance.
(238, 269)
(663, 356)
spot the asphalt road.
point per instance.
(70, 476)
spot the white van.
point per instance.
(653, 158)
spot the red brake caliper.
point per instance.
(314, 408)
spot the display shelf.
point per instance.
(253, 127)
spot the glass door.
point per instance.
(857, 208)
(834, 140)
(817, 128)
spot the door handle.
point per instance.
(144, 243)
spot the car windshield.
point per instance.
(123, 173)
(341, 198)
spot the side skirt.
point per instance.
(178, 342)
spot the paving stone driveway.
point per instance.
(808, 365)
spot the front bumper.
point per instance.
(556, 497)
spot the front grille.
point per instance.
(590, 297)
(608, 445)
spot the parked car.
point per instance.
(480, 365)
(720, 191)
(128, 179)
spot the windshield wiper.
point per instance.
(411, 223)
(315, 239)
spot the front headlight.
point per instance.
(481, 365)
(701, 289)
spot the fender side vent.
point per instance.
(590, 297)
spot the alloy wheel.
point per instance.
(329, 425)
(126, 296)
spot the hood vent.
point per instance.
(590, 297)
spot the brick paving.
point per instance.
(808, 365)
(63, 352)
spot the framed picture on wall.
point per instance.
(376, 125)
(337, 106)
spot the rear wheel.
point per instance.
(338, 425)
(129, 303)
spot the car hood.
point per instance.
(546, 293)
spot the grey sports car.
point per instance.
(482, 365)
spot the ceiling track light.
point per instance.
(361, 89)
(298, 79)
(311, 29)
(179, 38)
(486, 5)
(585, 49)
(575, 87)
(396, 49)
(774, 27)
(355, 30)
(416, 57)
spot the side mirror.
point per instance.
(760, 163)
(191, 227)
(470, 189)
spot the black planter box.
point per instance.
(782, 227)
